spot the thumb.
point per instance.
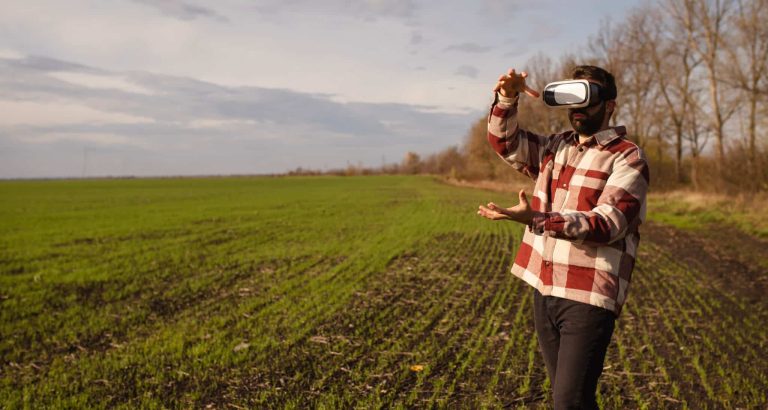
(533, 93)
(523, 197)
(528, 90)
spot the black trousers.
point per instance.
(573, 338)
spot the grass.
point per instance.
(323, 292)
(137, 292)
(696, 210)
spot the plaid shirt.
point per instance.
(589, 200)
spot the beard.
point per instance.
(589, 125)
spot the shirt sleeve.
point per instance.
(521, 149)
(621, 206)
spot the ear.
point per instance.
(610, 108)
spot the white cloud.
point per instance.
(467, 71)
(366, 9)
(218, 123)
(19, 113)
(243, 83)
(8, 53)
(468, 48)
(226, 126)
(182, 9)
(101, 81)
(79, 138)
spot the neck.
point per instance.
(583, 137)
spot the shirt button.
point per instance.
(565, 185)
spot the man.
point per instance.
(579, 248)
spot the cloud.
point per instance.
(59, 113)
(89, 138)
(100, 81)
(467, 71)
(468, 48)
(416, 38)
(39, 63)
(182, 10)
(516, 52)
(188, 126)
(541, 31)
(514, 11)
(366, 9)
(8, 53)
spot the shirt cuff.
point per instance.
(506, 101)
(538, 223)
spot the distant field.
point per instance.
(330, 292)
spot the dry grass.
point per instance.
(692, 209)
(511, 187)
(681, 208)
(744, 202)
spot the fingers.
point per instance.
(503, 80)
(497, 208)
(522, 197)
(481, 210)
(489, 214)
(512, 81)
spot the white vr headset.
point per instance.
(575, 94)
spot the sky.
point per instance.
(189, 87)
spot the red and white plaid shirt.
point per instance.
(589, 200)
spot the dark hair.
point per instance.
(590, 72)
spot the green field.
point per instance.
(333, 292)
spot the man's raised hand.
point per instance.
(511, 83)
(521, 212)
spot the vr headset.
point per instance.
(575, 94)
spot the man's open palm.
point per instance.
(521, 212)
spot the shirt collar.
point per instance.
(605, 137)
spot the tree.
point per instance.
(411, 163)
(535, 115)
(704, 22)
(748, 71)
(673, 65)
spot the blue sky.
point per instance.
(185, 87)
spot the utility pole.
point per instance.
(85, 161)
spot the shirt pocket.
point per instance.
(587, 185)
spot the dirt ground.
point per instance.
(727, 255)
(697, 349)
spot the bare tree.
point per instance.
(481, 161)
(673, 65)
(623, 50)
(704, 22)
(535, 116)
(697, 133)
(411, 163)
(748, 72)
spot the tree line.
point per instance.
(692, 77)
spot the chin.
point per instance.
(576, 125)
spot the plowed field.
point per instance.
(358, 292)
